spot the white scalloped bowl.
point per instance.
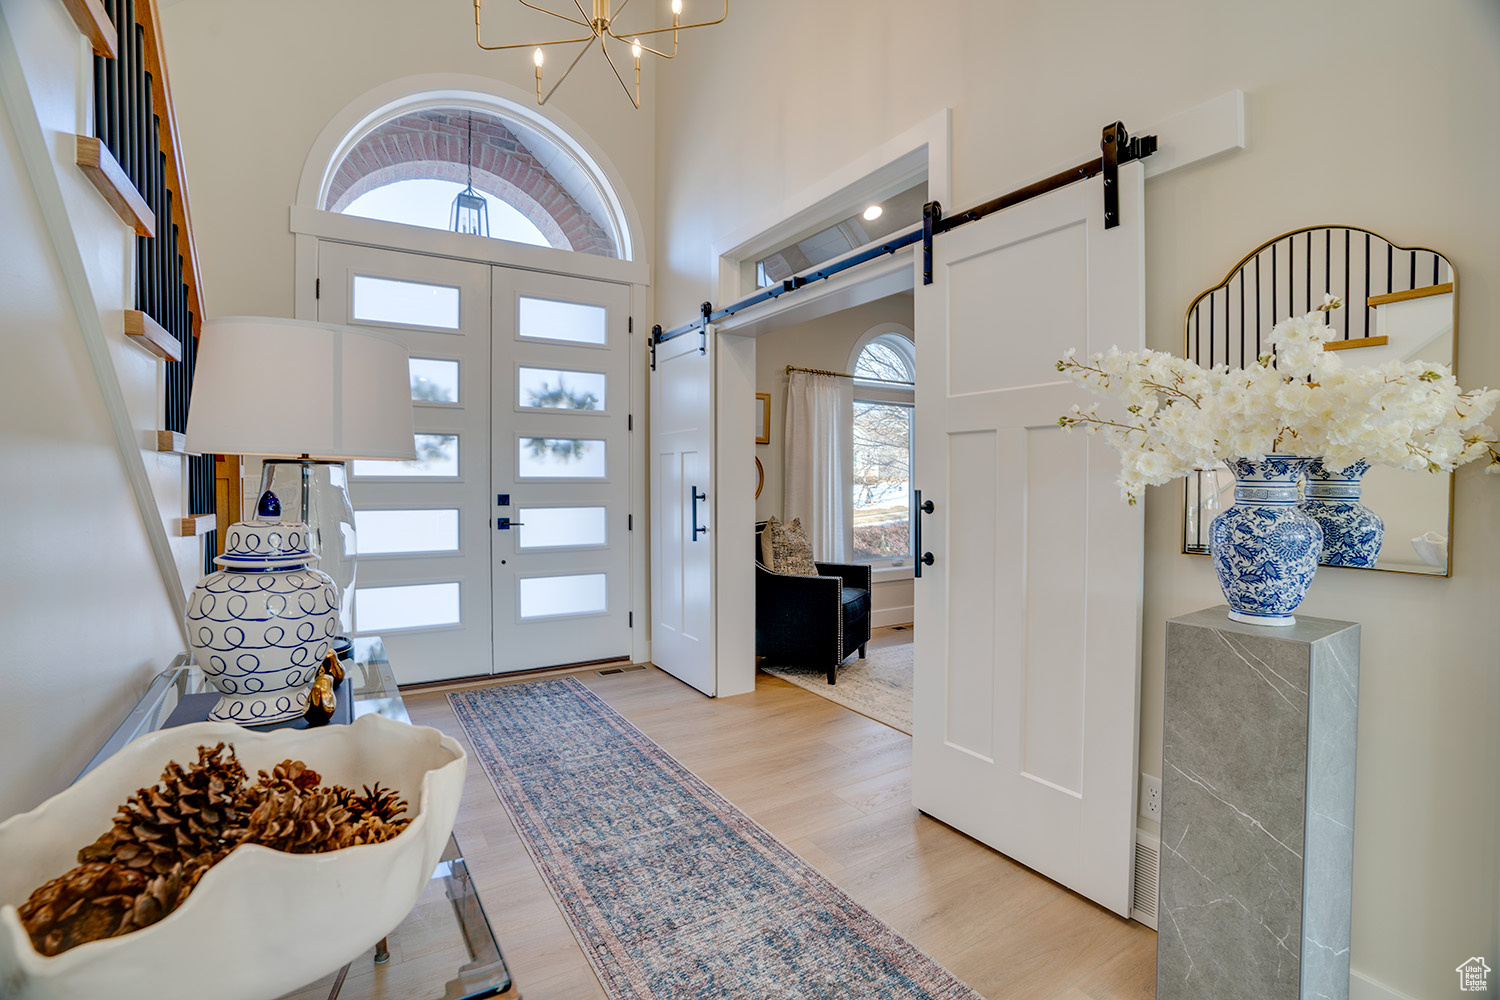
(261, 923)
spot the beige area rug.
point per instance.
(879, 686)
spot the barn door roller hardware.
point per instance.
(1116, 146)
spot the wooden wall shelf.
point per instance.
(150, 335)
(172, 443)
(95, 25)
(192, 527)
(1355, 344)
(100, 166)
(1414, 293)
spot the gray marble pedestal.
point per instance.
(1257, 838)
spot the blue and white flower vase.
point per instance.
(1264, 548)
(1352, 532)
(259, 627)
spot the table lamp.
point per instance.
(307, 396)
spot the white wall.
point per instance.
(1378, 113)
(86, 619)
(255, 85)
(823, 343)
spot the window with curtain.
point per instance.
(884, 426)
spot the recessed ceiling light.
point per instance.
(873, 212)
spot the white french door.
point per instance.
(422, 527)
(520, 394)
(561, 551)
(681, 553)
(1028, 655)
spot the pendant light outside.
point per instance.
(471, 213)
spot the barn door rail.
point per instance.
(1116, 146)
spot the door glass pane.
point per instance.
(550, 596)
(385, 609)
(557, 527)
(437, 455)
(548, 319)
(882, 480)
(561, 458)
(407, 303)
(434, 381)
(560, 389)
(383, 532)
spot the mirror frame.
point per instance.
(1291, 283)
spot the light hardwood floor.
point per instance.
(834, 786)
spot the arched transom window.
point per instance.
(410, 167)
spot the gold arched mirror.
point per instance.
(1399, 302)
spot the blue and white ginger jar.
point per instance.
(1352, 532)
(1264, 548)
(259, 627)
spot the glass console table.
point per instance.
(443, 950)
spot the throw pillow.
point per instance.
(767, 549)
(793, 551)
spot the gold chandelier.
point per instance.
(602, 30)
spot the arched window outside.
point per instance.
(409, 168)
(884, 364)
(886, 358)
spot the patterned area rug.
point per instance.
(672, 892)
(879, 686)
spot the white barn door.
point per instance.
(1028, 655)
(681, 552)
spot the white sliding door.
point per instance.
(1027, 658)
(681, 556)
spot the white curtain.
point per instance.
(819, 466)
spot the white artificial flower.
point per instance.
(1173, 416)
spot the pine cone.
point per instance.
(188, 814)
(86, 903)
(294, 820)
(382, 803)
(163, 894)
(290, 775)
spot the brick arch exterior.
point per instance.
(433, 143)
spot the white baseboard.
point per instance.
(1364, 988)
(890, 616)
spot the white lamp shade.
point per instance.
(285, 388)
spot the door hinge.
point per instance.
(630, 620)
(630, 324)
(629, 522)
(630, 421)
(317, 288)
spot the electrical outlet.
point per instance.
(1151, 797)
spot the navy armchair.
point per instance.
(811, 620)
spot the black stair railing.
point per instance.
(128, 121)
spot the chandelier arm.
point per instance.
(619, 10)
(576, 59)
(647, 48)
(680, 27)
(554, 13)
(635, 40)
(603, 48)
(585, 15)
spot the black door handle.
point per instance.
(926, 558)
(696, 497)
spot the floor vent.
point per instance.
(899, 628)
(612, 670)
(1147, 883)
